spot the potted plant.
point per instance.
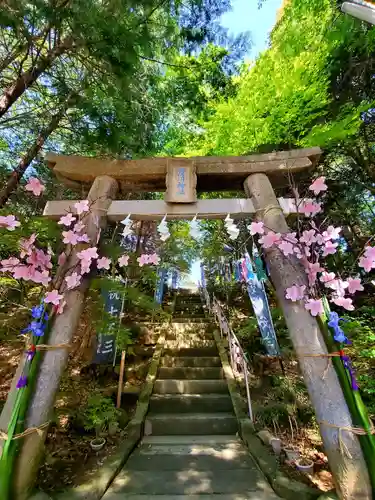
(98, 415)
(305, 465)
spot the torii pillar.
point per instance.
(349, 469)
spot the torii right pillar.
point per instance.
(348, 467)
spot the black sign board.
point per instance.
(105, 349)
(106, 342)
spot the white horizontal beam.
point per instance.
(156, 209)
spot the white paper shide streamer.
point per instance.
(194, 229)
(163, 229)
(127, 222)
(231, 228)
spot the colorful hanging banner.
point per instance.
(203, 277)
(259, 301)
(106, 341)
(159, 289)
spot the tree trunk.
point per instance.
(24, 81)
(19, 171)
(349, 470)
(54, 362)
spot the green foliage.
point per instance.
(99, 413)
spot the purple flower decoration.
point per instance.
(22, 382)
(29, 355)
(348, 365)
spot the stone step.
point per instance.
(176, 459)
(189, 319)
(190, 386)
(184, 403)
(183, 343)
(192, 351)
(234, 496)
(247, 482)
(190, 361)
(207, 440)
(192, 373)
(193, 335)
(192, 423)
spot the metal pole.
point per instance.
(246, 373)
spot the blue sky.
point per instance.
(245, 16)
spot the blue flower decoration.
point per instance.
(339, 334)
(36, 328)
(22, 382)
(37, 311)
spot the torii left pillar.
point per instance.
(102, 192)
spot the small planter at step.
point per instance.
(305, 465)
(97, 444)
(292, 453)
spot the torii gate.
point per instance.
(181, 178)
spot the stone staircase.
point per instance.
(190, 449)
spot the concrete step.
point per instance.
(184, 403)
(190, 361)
(192, 423)
(192, 351)
(248, 482)
(187, 372)
(190, 386)
(191, 335)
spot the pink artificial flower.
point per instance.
(354, 285)
(85, 266)
(9, 264)
(302, 252)
(329, 248)
(9, 222)
(314, 306)
(290, 237)
(308, 237)
(35, 186)
(82, 206)
(27, 245)
(83, 238)
(60, 307)
(339, 286)
(312, 270)
(367, 263)
(70, 237)
(103, 263)
(123, 260)
(53, 297)
(256, 228)
(39, 258)
(79, 227)
(142, 260)
(88, 254)
(41, 277)
(318, 185)
(332, 233)
(269, 239)
(154, 259)
(370, 252)
(62, 259)
(346, 303)
(21, 272)
(309, 208)
(320, 239)
(73, 280)
(327, 277)
(286, 247)
(295, 292)
(66, 220)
